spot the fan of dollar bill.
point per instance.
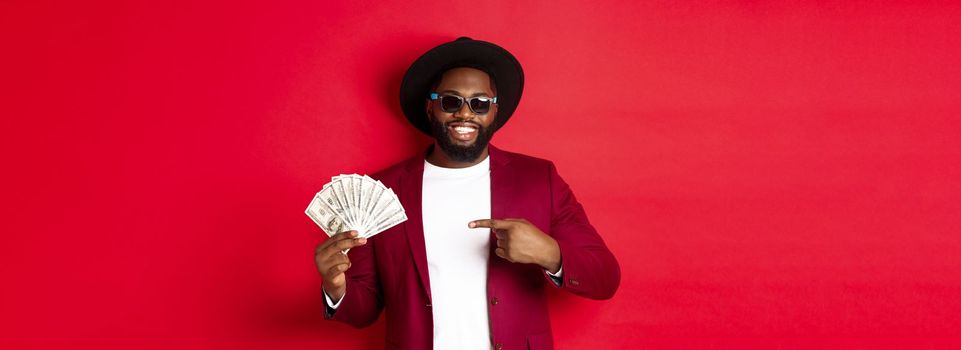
(355, 202)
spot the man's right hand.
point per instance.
(331, 262)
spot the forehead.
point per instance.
(466, 81)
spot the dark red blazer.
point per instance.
(390, 271)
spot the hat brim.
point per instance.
(506, 70)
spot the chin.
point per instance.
(461, 151)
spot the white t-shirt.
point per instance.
(457, 255)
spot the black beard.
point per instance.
(458, 153)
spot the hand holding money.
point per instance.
(520, 241)
(332, 262)
(350, 209)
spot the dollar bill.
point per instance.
(367, 187)
(341, 193)
(324, 216)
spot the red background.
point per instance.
(770, 175)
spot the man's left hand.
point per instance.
(520, 241)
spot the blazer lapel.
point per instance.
(501, 193)
(501, 183)
(411, 197)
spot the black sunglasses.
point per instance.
(453, 103)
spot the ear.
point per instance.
(429, 105)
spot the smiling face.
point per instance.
(462, 136)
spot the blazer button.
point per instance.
(428, 305)
(494, 301)
(498, 346)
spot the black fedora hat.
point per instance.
(503, 68)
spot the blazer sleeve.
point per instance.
(590, 269)
(363, 299)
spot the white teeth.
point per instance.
(463, 129)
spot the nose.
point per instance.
(464, 112)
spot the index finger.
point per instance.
(341, 236)
(489, 223)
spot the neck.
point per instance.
(439, 158)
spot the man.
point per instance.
(489, 230)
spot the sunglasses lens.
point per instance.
(450, 104)
(480, 106)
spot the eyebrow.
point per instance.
(458, 93)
